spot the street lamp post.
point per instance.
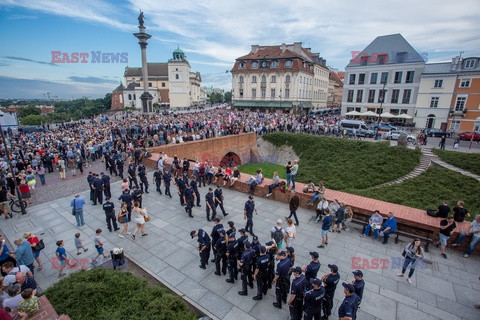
(7, 153)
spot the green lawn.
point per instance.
(267, 170)
(428, 190)
(112, 294)
(465, 161)
(344, 164)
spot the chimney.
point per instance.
(283, 47)
(255, 48)
(297, 47)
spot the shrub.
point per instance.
(465, 161)
(111, 294)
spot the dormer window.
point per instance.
(364, 60)
(288, 64)
(264, 64)
(304, 65)
(401, 57)
(382, 58)
(274, 64)
(255, 65)
(469, 64)
(241, 65)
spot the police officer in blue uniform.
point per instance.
(221, 253)
(358, 283)
(120, 164)
(90, 179)
(194, 186)
(137, 195)
(311, 270)
(215, 234)
(210, 204)
(248, 214)
(109, 209)
(111, 165)
(330, 281)
(348, 308)
(142, 174)
(157, 179)
(132, 177)
(271, 250)
(180, 189)
(297, 290)
(245, 264)
(219, 199)
(241, 242)
(188, 199)
(204, 246)
(261, 273)
(281, 279)
(313, 300)
(97, 185)
(232, 258)
(106, 185)
(167, 178)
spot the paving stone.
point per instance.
(192, 289)
(417, 293)
(379, 306)
(171, 275)
(215, 304)
(405, 312)
(434, 311)
(448, 305)
(399, 297)
(237, 314)
(437, 286)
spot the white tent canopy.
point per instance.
(387, 115)
(403, 116)
(353, 113)
(369, 114)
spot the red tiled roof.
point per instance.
(334, 76)
(341, 75)
(270, 52)
(297, 66)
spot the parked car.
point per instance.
(437, 133)
(394, 135)
(357, 127)
(383, 126)
(468, 136)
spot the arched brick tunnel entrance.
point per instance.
(231, 159)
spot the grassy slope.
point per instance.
(347, 164)
(428, 190)
(110, 294)
(465, 161)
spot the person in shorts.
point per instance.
(447, 227)
(62, 257)
(326, 224)
(98, 245)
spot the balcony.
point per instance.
(458, 112)
(263, 85)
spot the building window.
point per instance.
(274, 79)
(254, 79)
(398, 77)
(288, 63)
(430, 123)
(274, 64)
(384, 77)
(129, 96)
(352, 79)
(434, 102)
(404, 111)
(455, 125)
(400, 58)
(163, 84)
(134, 96)
(395, 111)
(359, 95)
(465, 83)
(395, 94)
(438, 84)
(410, 75)
(254, 93)
(364, 60)
(241, 65)
(469, 64)
(264, 93)
(287, 79)
(240, 79)
(361, 78)
(287, 93)
(255, 65)
(350, 96)
(176, 76)
(272, 93)
(381, 96)
(406, 96)
(382, 58)
(460, 104)
(373, 78)
(149, 84)
(371, 96)
(264, 79)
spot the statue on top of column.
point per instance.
(141, 19)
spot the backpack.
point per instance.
(278, 235)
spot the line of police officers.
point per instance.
(310, 297)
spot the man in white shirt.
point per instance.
(14, 298)
(321, 206)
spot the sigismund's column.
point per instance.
(142, 41)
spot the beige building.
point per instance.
(170, 83)
(284, 77)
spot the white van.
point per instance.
(360, 127)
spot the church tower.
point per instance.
(178, 79)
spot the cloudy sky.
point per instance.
(211, 32)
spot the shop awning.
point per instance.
(306, 105)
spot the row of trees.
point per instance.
(65, 111)
(217, 97)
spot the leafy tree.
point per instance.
(216, 97)
(34, 120)
(28, 110)
(228, 96)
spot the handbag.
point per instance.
(40, 245)
(120, 218)
(147, 218)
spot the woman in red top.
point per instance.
(33, 240)
(25, 191)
